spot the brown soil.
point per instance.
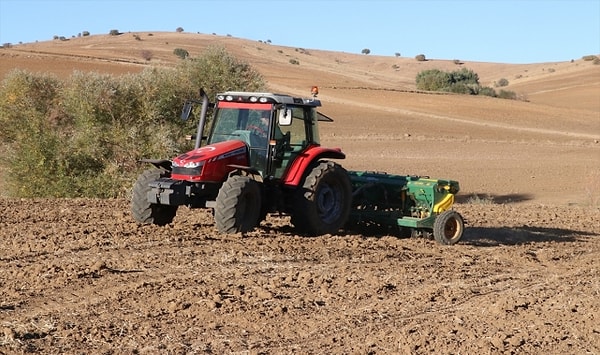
(79, 276)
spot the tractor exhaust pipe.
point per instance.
(202, 121)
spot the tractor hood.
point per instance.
(210, 163)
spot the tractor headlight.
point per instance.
(194, 164)
(188, 165)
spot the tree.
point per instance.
(366, 51)
(179, 29)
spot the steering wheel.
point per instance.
(257, 130)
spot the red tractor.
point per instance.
(262, 155)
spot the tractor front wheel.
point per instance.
(323, 203)
(448, 227)
(238, 205)
(145, 212)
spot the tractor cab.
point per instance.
(275, 128)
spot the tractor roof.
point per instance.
(265, 97)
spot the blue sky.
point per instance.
(501, 31)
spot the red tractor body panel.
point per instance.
(296, 171)
(210, 163)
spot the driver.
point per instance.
(261, 128)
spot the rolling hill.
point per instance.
(541, 148)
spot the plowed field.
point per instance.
(78, 276)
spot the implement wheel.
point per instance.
(238, 205)
(323, 203)
(448, 227)
(145, 212)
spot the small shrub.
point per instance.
(366, 51)
(507, 94)
(596, 61)
(85, 33)
(457, 62)
(55, 37)
(294, 61)
(397, 54)
(501, 83)
(146, 54)
(137, 37)
(589, 58)
(395, 67)
(432, 80)
(114, 32)
(181, 53)
(487, 91)
(420, 58)
(179, 29)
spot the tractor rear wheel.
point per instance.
(448, 227)
(238, 205)
(323, 203)
(144, 211)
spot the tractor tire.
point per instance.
(145, 212)
(238, 206)
(323, 203)
(448, 227)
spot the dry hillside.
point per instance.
(543, 148)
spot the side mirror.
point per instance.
(285, 117)
(187, 110)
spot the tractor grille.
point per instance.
(187, 171)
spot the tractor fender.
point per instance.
(159, 163)
(312, 154)
(245, 171)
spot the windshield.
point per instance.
(248, 125)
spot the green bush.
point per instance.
(459, 81)
(487, 91)
(420, 58)
(181, 53)
(83, 137)
(432, 80)
(502, 82)
(507, 94)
